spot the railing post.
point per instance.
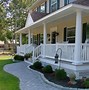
(33, 56)
(41, 49)
(56, 46)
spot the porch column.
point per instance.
(78, 38)
(29, 37)
(44, 38)
(20, 39)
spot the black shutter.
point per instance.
(65, 29)
(38, 9)
(84, 32)
(50, 6)
(58, 4)
(46, 7)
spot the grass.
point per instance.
(7, 81)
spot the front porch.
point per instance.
(47, 56)
(68, 28)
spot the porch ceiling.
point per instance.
(59, 14)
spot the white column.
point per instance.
(44, 33)
(29, 37)
(47, 6)
(44, 38)
(78, 38)
(20, 39)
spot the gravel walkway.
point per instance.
(29, 80)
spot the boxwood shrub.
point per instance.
(86, 83)
(19, 57)
(47, 69)
(37, 65)
(60, 74)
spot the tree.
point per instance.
(13, 14)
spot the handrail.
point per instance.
(37, 52)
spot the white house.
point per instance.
(54, 24)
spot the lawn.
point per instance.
(7, 81)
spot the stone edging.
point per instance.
(53, 84)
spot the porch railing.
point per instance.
(85, 52)
(37, 52)
(49, 50)
(67, 51)
(23, 49)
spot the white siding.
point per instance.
(29, 20)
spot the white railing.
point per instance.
(18, 49)
(37, 52)
(49, 50)
(23, 49)
(67, 51)
(28, 48)
(85, 53)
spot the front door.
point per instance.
(53, 38)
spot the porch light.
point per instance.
(57, 56)
(48, 35)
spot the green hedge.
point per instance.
(86, 83)
(37, 65)
(19, 57)
(47, 69)
(60, 74)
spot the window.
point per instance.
(70, 37)
(68, 1)
(87, 32)
(43, 8)
(54, 5)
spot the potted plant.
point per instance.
(26, 56)
(72, 78)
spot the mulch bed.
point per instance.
(64, 83)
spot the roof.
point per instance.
(82, 2)
(37, 15)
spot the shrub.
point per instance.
(86, 83)
(28, 55)
(37, 65)
(18, 57)
(60, 74)
(72, 77)
(47, 69)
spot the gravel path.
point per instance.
(29, 80)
